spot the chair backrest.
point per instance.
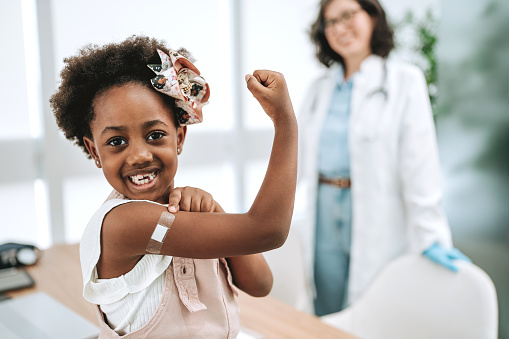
(416, 298)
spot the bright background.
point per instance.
(48, 190)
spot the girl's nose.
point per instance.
(139, 155)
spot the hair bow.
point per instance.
(180, 79)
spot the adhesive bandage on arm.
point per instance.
(156, 241)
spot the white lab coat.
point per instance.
(394, 163)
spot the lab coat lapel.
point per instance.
(367, 105)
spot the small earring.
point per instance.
(178, 150)
(97, 162)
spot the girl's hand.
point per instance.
(191, 199)
(269, 88)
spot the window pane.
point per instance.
(14, 121)
(217, 180)
(19, 217)
(202, 30)
(288, 50)
(82, 197)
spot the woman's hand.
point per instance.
(192, 199)
(445, 256)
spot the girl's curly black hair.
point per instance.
(93, 70)
(382, 40)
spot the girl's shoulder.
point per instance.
(90, 252)
(91, 236)
(94, 225)
(90, 244)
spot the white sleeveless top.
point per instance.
(130, 301)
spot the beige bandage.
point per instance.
(157, 239)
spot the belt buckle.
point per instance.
(342, 182)
(338, 182)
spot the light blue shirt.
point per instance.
(334, 205)
(333, 155)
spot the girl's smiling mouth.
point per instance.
(142, 179)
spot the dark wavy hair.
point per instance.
(382, 40)
(95, 69)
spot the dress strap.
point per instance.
(185, 280)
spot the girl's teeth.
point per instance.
(141, 179)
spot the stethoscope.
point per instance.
(377, 97)
(382, 88)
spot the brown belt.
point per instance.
(338, 182)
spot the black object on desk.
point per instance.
(15, 254)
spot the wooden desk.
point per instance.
(58, 273)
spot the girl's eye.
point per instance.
(116, 142)
(155, 135)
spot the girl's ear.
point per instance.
(181, 136)
(90, 145)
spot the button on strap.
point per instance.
(185, 280)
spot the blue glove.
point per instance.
(445, 256)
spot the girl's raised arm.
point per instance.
(128, 227)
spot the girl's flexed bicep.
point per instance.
(128, 230)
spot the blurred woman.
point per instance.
(368, 157)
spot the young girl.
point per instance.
(131, 120)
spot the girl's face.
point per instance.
(135, 140)
(348, 29)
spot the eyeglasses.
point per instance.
(345, 18)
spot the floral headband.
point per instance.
(180, 79)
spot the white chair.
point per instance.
(416, 298)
